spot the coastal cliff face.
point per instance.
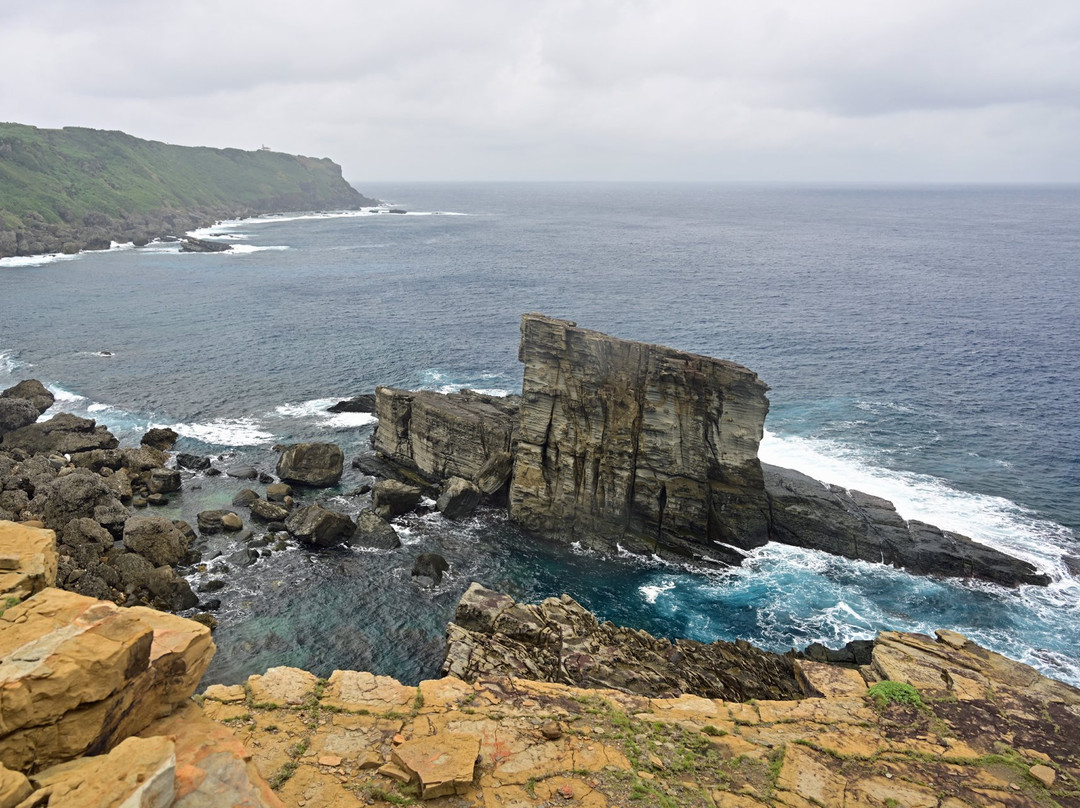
(638, 444)
(65, 190)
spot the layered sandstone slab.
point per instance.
(444, 435)
(638, 444)
(28, 560)
(77, 675)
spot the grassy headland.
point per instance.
(63, 190)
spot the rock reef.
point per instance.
(622, 444)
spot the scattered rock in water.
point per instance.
(157, 500)
(211, 522)
(202, 245)
(320, 526)
(264, 511)
(362, 403)
(318, 465)
(391, 498)
(458, 499)
(213, 585)
(163, 481)
(245, 498)
(428, 569)
(244, 557)
(278, 492)
(192, 462)
(242, 472)
(160, 438)
(375, 532)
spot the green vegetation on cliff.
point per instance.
(72, 188)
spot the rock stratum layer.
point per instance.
(639, 444)
(65, 190)
(561, 641)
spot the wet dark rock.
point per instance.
(213, 585)
(561, 641)
(63, 434)
(318, 465)
(163, 481)
(856, 652)
(242, 472)
(244, 557)
(1072, 564)
(211, 522)
(245, 498)
(391, 498)
(160, 438)
(375, 532)
(264, 511)
(202, 245)
(278, 492)
(265, 478)
(170, 590)
(320, 526)
(428, 569)
(362, 403)
(192, 462)
(33, 391)
(458, 499)
(157, 500)
(210, 604)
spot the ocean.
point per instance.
(921, 344)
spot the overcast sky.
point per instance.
(804, 90)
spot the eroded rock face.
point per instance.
(443, 436)
(561, 641)
(808, 513)
(638, 444)
(63, 433)
(28, 560)
(318, 465)
(79, 674)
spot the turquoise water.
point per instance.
(920, 344)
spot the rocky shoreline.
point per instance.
(538, 704)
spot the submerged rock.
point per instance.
(320, 526)
(375, 532)
(429, 567)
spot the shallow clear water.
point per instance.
(920, 344)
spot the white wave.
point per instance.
(652, 591)
(244, 249)
(227, 432)
(34, 260)
(497, 392)
(994, 521)
(317, 408)
(10, 363)
(116, 246)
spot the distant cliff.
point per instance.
(65, 190)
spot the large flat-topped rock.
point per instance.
(637, 444)
(444, 435)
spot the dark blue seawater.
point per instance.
(921, 344)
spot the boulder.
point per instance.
(493, 478)
(264, 511)
(429, 567)
(63, 434)
(375, 532)
(81, 675)
(443, 435)
(156, 539)
(244, 498)
(192, 462)
(391, 498)
(160, 438)
(441, 765)
(15, 413)
(319, 526)
(33, 391)
(278, 492)
(162, 481)
(243, 472)
(80, 494)
(215, 521)
(134, 571)
(459, 498)
(143, 458)
(638, 445)
(318, 465)
(202, 245)
(170, 590)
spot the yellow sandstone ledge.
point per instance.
(989, 732)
